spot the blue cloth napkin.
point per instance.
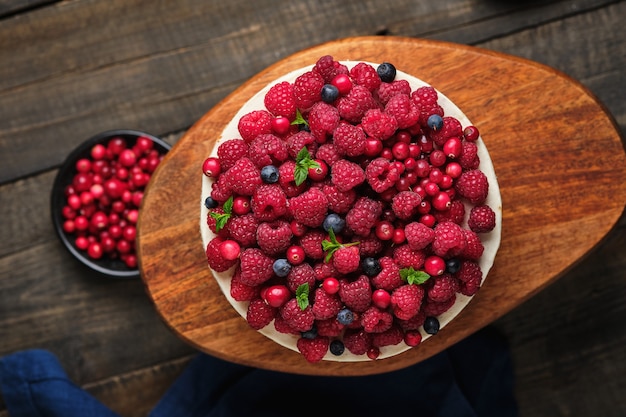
(474, 378)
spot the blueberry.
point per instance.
(435, 122)
(335, 222)
(310, 334)
(386, 72)
(371, 267)
(210, 203)
(337, 347)
(281, 267)
(345, 317)
(329, 93)
(269, 174)
(431, 325)
(453, 265)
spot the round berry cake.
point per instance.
(350, 211)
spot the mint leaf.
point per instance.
(331, 246)
(302, 296)
(299, 119)
(411, 276)
(304, 162)
(222, 218)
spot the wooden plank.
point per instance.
(11, 7)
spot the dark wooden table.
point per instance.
(74, 68)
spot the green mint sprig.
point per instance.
(302, 296)
(411, 276)
(222, 218)
(331, 246)
(304, 162)
(299, 120)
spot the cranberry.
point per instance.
(276, 295)
(68, 213)
(428, 220)
(121, 173)
(114, 188)
(140, 179)
(116, 146)
(414, 150)
(295, 254)
(212, 167)
(95, 250)
(137, 196)
(441, 201)
(127, 158)
(130, 260)
(241, 205)
(74, 202)
(410, 163)
(424, 207)
(398, 236)
(81, 223)
(82, 182)
(98, 152)
(446, 182)
(320, 172)
(435, 175)
(343, 83)
(132, 215)
(331, 285)
(400, 150)
(386, 153)
(115, 231)
(470, 133)
(437, 158)
(434, 265)
(454, 169)
(129, 233)
(99, 220)
(123, 246)
(426, 144)
(412, 338)
(381, 298)
(373, 353)
(384, 230)
(144, 144)
(452, 148)
(373, 147)
(83, 165)
(403, 136)
(422, 168)
(82, 242)
(96, 190)
(431, 188)
(281, 125)
(108, 244)
(69, 226)
(229, 249)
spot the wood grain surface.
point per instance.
(556, 152)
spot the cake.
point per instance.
(349, 211)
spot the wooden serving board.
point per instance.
(558, 156)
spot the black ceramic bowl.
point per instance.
(112, 268)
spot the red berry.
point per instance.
(127, 158)
(241, 205)
(318, 173)
(295, 255)
(384, 230)
(400, 150)
(434, 265)
(470, 133)
(298, 229)
(453, 148)
(98, 151)
(129, 233)
(373, 147)
(99, 220)
(94, 250)
(276, 295)
(373, 353)
(412, 338)
(83, 165)
(281, 125)
(381, 298)
(116, 146)
(343, 83)
(398, 236)
(82, 242)
(441, 201)
(431, 188)
(144, 144)
(428, 220)
(69, 226)
(331, 285)
(211, 167)
(454, 169)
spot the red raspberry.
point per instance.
(267, 150)
(353, 106)
(313, 350)
(274, 237)
(311, 242)
(474, 248)
(346, 175)
(378, 124)
(268, 202)
(356, 295)
(370, 245)
(220, 190)
(451, 128)
(357, 341)
(296, 318)
(414, 323)
(406, 301)
(328, 153)
(329, 327)
(469, 156)
(287, 181)
(328, 68)
(212, 222)
(280, 100)
(406, 257)
(405, 204)
(230, 151)
(301, 274)
(389, 277)
(346, 259)
(325, 306)
(455, 214)
(473, 185)
(256, 267)
(363, 216)
(243, 177)
(433, 308)
(425, 98)
(240, 291)
(307, 88)
(282, 326)
(339, 202)
(443, 288)
(418, 235)
(375, 320)
(388, 90)
(323, 120)
(216, 261)
(299, 140)
(324, 270)
(259, 314)
(482, 219)
(309, 208)
(449, 240)
(255, 123)
(242, 229)
(381, 174)
(390, 337)
(470, 276)
(365, 75)
(403, 110)
(349, 140)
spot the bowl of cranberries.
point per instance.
(96, 197)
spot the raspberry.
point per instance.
(432, 308)
(299, 140)
(328, 68)
(243, 177)
(296, 318)
(220, 190)
(259, 314)
(414, 323)
(286, 179)
(212, 222)
(365, 75)
(425, 98)
(357, 341)
(346, 259)
(451, 128)
(306, 89)
(455, 214)
(242, 229)
(329, 327)
(282, 326)
(274, 237)
(328, 153)
(325, 306)
(470, 276)
(255, 123)
(280, 100)
(240, 291)
(390, 337)
(405, 257)
(449, 240)
(370, 245)
(389, 278)
(443, 288)
(363, 216)
(324, 270)
(482, 219)
(268, 202)
(405, 204)
(256, 267)
(267, 150)
(406, 300)
(300, 274)
(403, 110)
(378, 124)
(353, 106)
(215, 259)
(349, 139)
(231, 151)
(356, 295)
(388, 90)
(381, 174)
(323, 120)
(311, 242)
(418, 235)
(474, 248)
(469, 156)
(309, 208)
(473, 185)
(339, 202)
(346, 175)
(313, 350)
(375, 320)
